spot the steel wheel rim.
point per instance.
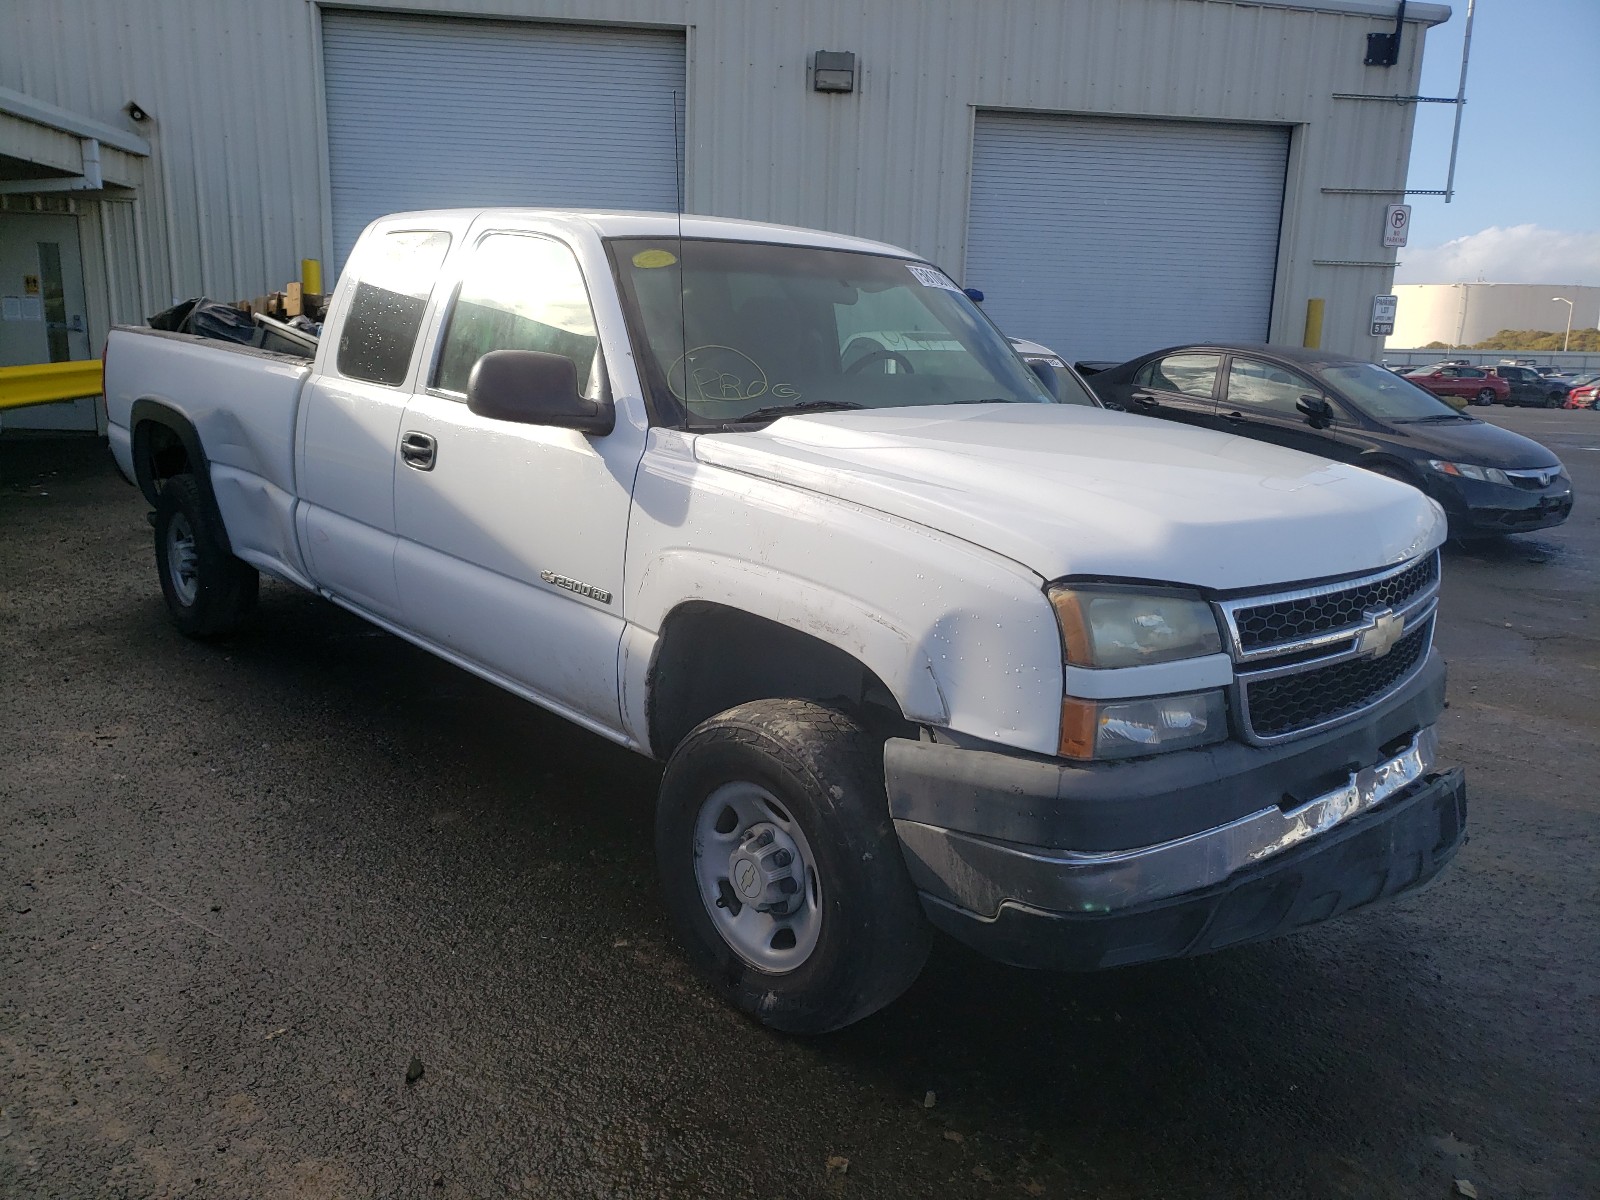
(773, 944)
(183, 563)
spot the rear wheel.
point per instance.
(1486, 396)
(781, 868)
(208, 591)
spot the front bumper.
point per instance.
(1392, 849)
(1166, 853)
(1489, 508)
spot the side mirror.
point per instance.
(1317, 410)
(1047, 376)
(532, 388)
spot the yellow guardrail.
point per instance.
(41, 383)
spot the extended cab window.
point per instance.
(1263, 386)
(519, 293)
(1186, 374)
(394, 275)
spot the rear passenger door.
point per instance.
(511, 536)
(1179, 387)
(350, 417)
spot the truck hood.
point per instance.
(1068, 490)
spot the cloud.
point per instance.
(1513, 254)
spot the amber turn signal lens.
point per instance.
(1079, 719)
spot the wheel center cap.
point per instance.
(765, 869)
(748, 878)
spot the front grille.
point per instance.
(1294, 618)
(1286, 704)
(1531, 481)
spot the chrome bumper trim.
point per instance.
(1073, 881)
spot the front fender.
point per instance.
(964, 638)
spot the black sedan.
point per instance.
(1488, 480)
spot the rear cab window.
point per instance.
(394, 276)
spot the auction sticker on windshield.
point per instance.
(928, 277)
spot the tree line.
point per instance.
(1587, 340)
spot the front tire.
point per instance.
(782, 871)
(209, 592)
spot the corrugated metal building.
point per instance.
(1461, 314)
(1114, 175)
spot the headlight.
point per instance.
(1128, 728)
(1470, 471)
(1112, 627)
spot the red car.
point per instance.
(1585, 395)
(1452, 379)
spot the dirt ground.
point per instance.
(246, 884)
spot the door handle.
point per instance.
(1233, 417)
(418, 450)
(1145, 400)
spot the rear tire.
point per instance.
(1486, 396)
(809, 779)
(209, 592)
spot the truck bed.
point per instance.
(244, 404)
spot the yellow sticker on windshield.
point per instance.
(654, 258)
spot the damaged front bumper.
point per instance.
(1314, 842)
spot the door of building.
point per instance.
(42, 313)
(1105, 238)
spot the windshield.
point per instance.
(744, 331)
(1383, 394)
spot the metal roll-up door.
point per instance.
(1106, 237)
(437, 113)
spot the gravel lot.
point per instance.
(246, 884)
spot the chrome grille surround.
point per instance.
(1325, 630)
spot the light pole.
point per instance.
(1568, 341)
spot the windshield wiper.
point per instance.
(774, 411)
(1438, 417)
(990, 400)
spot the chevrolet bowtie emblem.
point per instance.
(1380, 636)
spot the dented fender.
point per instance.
(963, 637)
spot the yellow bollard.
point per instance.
(1313, 338)
(311, 276)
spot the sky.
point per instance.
(1527, 203)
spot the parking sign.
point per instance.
(1396, 225)
(1383, 310)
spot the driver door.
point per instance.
(511, 536)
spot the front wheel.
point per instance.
(781, 867)
(208, 591)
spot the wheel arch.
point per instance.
(165, 443)
(711, 656)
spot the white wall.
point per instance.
(235, 191)
(1460, 314)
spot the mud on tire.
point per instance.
(817, 776)
(209, 592)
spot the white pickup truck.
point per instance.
(922, 642)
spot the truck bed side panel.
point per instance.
(243, 403)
